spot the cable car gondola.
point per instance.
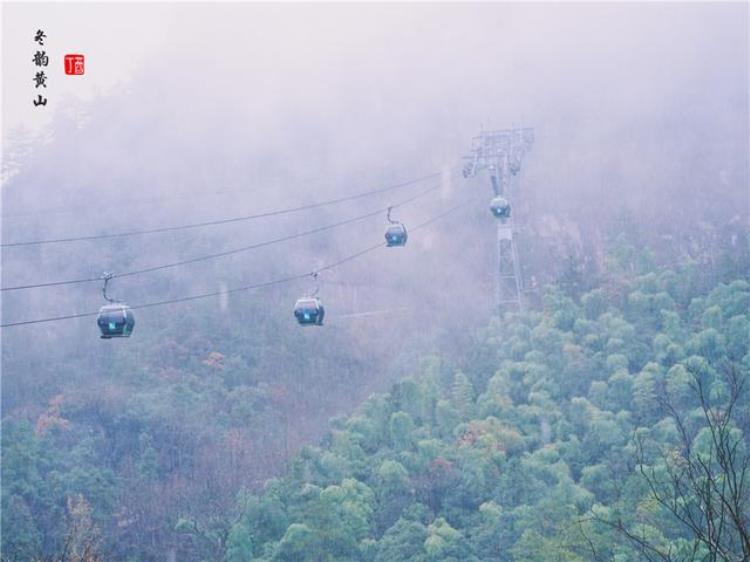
(309, 310)
(116, 319)
(500, 208)
(395, 234)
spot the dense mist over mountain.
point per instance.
(639, 167)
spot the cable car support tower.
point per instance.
(501, 153)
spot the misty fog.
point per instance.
(641, 121)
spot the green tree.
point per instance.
(401, 429)
(403, 542)
(462, 395)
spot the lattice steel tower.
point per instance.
(501, 154)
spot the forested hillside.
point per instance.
(544, 441)
(614, 428)
(553, 368)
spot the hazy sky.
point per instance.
(115, 39)
(520, 60)
(622, 95)
(637, 107)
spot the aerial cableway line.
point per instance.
(226, 252)
(218, 222)
(270, 283)
(171, 196)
